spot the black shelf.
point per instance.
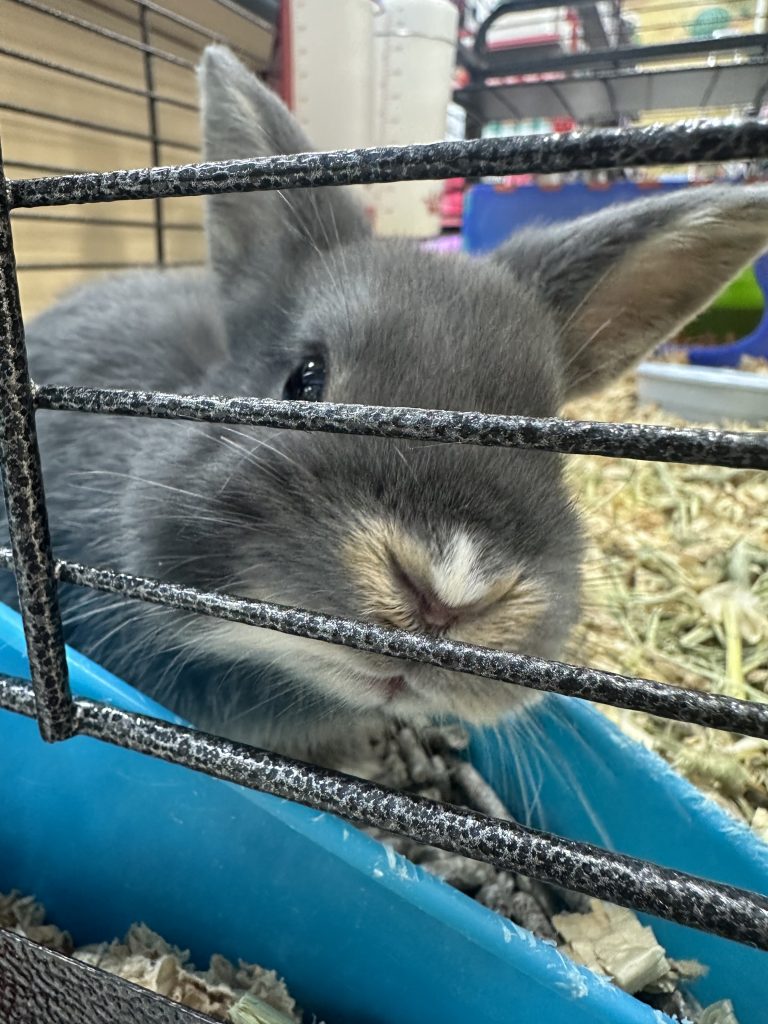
(597, 96)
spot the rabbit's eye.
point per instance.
(307, 382)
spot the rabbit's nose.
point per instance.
(404, 583)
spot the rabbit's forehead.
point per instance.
(404, 326)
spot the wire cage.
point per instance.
(75, 992)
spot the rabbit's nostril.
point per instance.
(434, 614)
(429, 610)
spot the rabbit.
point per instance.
(299, 300)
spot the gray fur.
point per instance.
(265, 513)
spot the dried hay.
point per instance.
(676, 589)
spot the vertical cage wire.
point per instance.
(25, 504)
(149, 82)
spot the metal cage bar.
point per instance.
(25, 505)
(105, 33)
(152, 120)
(179, 19)
(74, 992)
(94, 126)
(717, 711)
(89, 76)
(105, 222)
(26, 165)
(681, 143)
(573, 437)
(103, 265)
(163, 14)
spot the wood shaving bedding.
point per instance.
(609, 940)
(246, 994)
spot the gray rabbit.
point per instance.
(299, 301)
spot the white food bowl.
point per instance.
(704, 394)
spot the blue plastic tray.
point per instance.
(106, 837)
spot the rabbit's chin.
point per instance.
(427, 693)
(363, 682)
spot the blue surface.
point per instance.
(491, 215)
(585, 779)
(106, 837)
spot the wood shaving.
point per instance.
(250, 1010)
(673, 354)
(611, 941)
(756, 364)
(146, 959)
(24, 916)
(719, 1013)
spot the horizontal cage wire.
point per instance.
(106, 33)
(717, 711)
(94, 126)
(720, 909)
(616, 440)
(89, 76)
(144, 8)
(681, 143)
(163, 40)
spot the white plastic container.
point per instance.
(331, 48)
(704, 394)
(414, 49)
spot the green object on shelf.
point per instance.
(736, 311)
(743, 293)
(709, 21)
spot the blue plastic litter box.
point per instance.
(105, 837)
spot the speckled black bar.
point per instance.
(625, 440)
(25, 504)
(681, 143)
(627, 881)
(42, 986)
(710, 709)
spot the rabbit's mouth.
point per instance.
(391, 687)
(387, 688)
(427, 690)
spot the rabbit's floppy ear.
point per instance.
(625, 279)
(259, 235)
